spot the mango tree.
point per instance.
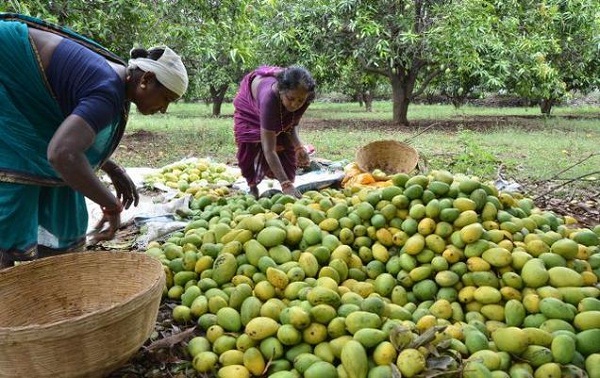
(556, 49)
(117, 25)
(123, 24)
(540, 51)
(474, 55)
(359, 84)
(219, 45)
(398, 40)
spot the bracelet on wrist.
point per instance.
(113, 210)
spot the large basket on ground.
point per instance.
(389, 156)
(77, 315)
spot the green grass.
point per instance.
(524, 146)
(383, 111)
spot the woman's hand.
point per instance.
(112, 217)
(125, 188)
(287, 187)
(292, 191)
(302, 158)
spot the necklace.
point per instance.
(281, 118)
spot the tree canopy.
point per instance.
(538, 50)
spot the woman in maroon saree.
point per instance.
(268, 108)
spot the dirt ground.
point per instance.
(164, 355)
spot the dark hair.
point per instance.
(139, 52)
(296, 77)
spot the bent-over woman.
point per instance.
(268, 107)
(65, 101)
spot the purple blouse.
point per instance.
(266, 111)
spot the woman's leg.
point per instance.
(252, 165)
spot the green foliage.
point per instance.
(218, 41)
(538, 50)
(117, 25)
(215, 39)
(559, 51)
(386, 38)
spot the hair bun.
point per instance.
(138, 52)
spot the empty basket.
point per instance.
(389, 156)
(77, 315)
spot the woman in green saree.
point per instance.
(65, 101)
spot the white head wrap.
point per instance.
(169, 70)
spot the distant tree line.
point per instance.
(540, 51)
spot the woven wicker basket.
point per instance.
(389, 156)
(77, 315)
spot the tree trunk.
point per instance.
(546, 106)
(368, 96)
(216, 107)
(359, 98)
(401, 100)
(458, 101)
(217, 95)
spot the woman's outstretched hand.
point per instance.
(126, 191)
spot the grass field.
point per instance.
(517, 142)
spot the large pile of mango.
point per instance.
(194, 176)
(436, 274)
